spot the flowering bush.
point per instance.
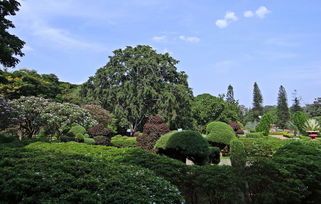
(62, 116)
(101, 115)
(54, 118)
(7, 114)
(30, 111)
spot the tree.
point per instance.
(137, 83)
(230, 94)
(10, 45)
(314, 109)
(296, 103)
(299, 119)
(257, 109)
(207, 108)
(283, 114)
(8, 115)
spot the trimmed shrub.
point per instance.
(30, 176)
(214, 155)
(89, 141)
(184, 144)
(262, 147)
(214, 184)
(237, 153)
(153, 129)
(254, 135)
(102, 140)
(123, 141)
(219, 134)
(301, 164)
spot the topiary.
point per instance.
(214, 155)
(184, 144)
(123, 141)
(219, 134)
(99, 130)
(237, 153)
(153, 129)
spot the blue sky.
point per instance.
(217, 42)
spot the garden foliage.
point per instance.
(219, 133)
(153, 129)
(123, 141)
(184, 145)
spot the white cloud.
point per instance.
(248, 14)
(159, 38)
(262, 12)
(189, 39)
(230, 16)
(221, 23)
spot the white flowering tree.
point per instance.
(61, 116)
(36, 113)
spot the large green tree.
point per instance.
(257, 109)
(10, 45)
(138, 82)
(207, 108)
(314, 109)
(283, 114)
(25, 82)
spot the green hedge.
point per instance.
(237, 153)
(123, 141)
(219, 132)
(184, 144)
(264, 146)
(34, 176)
(254, 134)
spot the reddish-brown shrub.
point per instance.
(153, 129)
(236, 127)
(99, 130)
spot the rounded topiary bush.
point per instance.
(31, 176)
(219, 134)
(184, 144)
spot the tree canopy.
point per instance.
(138, 82)
(25, 82)
(207, 108)
(10, 45)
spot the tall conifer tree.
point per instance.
(283, 114)
(230, 94)
(257, 109)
